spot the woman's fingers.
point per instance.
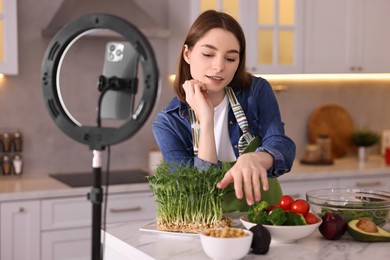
(248, 186)
(256, 186)
(193, 90)
(246, 181)
(226, 180)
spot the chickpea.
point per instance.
(226, 232)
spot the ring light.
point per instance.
(97, 137)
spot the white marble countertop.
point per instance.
(125, 241)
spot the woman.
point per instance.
(220, 109)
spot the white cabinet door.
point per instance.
(373, 36)
(327, 36)
(343, 36)
(70, 244)
(274, 35)
(20, 230)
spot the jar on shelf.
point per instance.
(325, 144)
(6, 164)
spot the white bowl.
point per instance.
(285, 234)
(226, 248)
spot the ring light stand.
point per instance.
(97, 137)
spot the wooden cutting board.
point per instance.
(334, 121)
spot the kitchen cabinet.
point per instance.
(66, 222)
(310, 36)
(343, 36)
(20, 230)
(273, 31)
(8, 37)
(379, 182)
(72, 243)
(61, 227)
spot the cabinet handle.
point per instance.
(21, 210)
(368, 184)
(133, 209)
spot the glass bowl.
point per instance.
(352, 203)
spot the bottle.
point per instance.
(17, 142)
(6, 164)
(313, 153)
(17, 164)
(386, 146)
(325, 145)
(5, 142)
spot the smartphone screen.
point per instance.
(121, 60)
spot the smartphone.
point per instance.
(121, 60)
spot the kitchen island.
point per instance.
(50, 219)
(125, 241)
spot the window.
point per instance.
(273, 30)
(228, 6)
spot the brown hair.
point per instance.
(206, 21)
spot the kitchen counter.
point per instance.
(125, 241)
(344, 167)
(26, 187)
(44, 186)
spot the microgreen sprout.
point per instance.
(187, 199)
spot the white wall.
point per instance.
(48, 150)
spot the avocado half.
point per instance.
(380, 236)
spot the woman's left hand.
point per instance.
(247, 172)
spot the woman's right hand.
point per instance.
(198, 99)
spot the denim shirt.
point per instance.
(172, 129)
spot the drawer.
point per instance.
(123, 208)
(77, 211)
(66, 244)
(298, 189)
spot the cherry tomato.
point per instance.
(311, 218)
(285, 202)
(300, 206)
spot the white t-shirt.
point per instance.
(221, 133)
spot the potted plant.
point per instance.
(363, 139)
